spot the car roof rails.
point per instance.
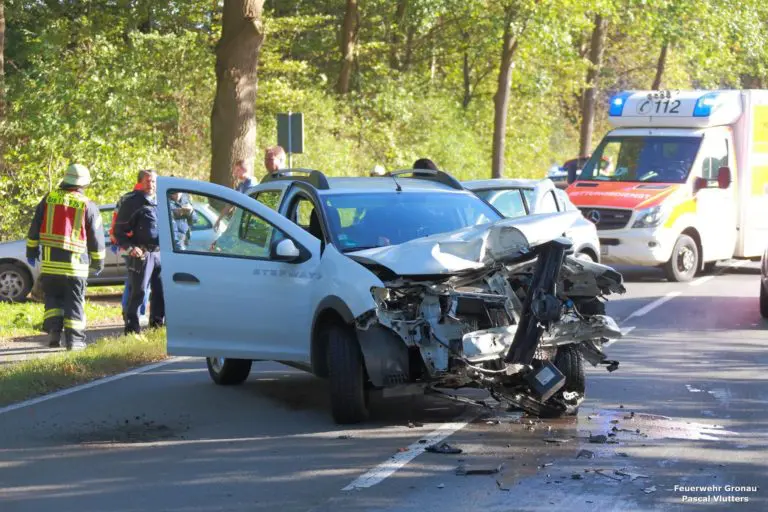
(314, 177)
(431, 175)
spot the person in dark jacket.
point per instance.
(136, 231)
(67, 236)
(184, 216)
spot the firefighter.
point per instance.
(67, 236)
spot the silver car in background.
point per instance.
(17, 277)
(520, 197)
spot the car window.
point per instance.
(564, 202)
(106, 220)
(367, 220)
(269, 198)
(508, 202)
(201, 222)
(548, 203)
(246, 234)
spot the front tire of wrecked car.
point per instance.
(228, 372)
(346, 377)
(570, 362)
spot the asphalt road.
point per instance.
(688, 405)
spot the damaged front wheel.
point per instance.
(346, 376)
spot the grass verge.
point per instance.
(109, 356)
(26, 318)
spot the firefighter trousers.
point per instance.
(64, 307)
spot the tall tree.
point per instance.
(597, 46)
(2, 64)
(233, 120)
(516, 18)
(348, 42)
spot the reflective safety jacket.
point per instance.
(66, 234)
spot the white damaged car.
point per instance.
(384, 283)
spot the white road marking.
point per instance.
(397, 461)
(702, 280)
(89, 385)
(653, 305)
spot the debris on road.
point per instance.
(442, 448)
(598, 439)
(585, 454)
(414, 424)
(622, 454)
(649, 490)
(577, 476)
(344, 437)
(607, 475)
(632, 476)
(464, 470)
(440, 486)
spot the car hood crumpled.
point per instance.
(469, 248)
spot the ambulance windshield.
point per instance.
(648, 159)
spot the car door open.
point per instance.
(244, 296)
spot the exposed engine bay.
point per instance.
(519, 327)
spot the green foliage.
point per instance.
(123, 85)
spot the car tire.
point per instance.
(570, 362)
(763, 301)
(228, 372)
(684, 262)
(346, 376)
(15, 282)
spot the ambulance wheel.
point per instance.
(228, 372)
(684, 262)
(15, 283)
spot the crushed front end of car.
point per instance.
(500, 306)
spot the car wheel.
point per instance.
(228, 372)
(15, 283)
(763, 301)
(684, 262)
(346, 376)
(570, 362)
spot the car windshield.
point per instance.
(508, 201)
(363, 221)
(651, 159)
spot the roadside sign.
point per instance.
(290, 132)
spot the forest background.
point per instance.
(482, 87)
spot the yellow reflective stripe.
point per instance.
(49, 217)
(63, 272)
(46, 253)
(98, 255)
(74, 324)
(33, 243)
(65, 265)
(78, 225)
(51, 313)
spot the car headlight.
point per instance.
(651, 217)
(380, 295)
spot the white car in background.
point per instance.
(520, 197)
(17, 277)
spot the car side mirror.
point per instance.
(724, 177)
(700, 183)
(286, 250)
(571, 175)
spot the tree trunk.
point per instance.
(2, 66)
(501, 100)
(590, 94)
(660, 66)
(233, 120)
(396, 37)
(348, 41)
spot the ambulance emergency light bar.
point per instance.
(674, 109)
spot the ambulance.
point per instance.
(681, 181)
